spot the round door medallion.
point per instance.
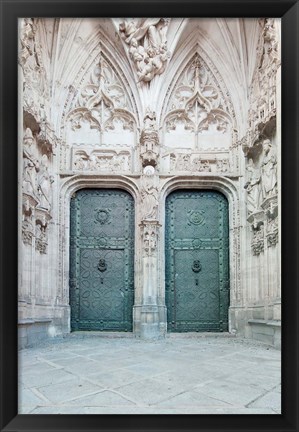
(102, 216)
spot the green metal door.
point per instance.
(101, 260)
(197, 274)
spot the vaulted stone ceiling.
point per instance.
(72, 43)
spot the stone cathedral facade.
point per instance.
(149, 176)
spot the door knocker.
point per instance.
(102, 265)
(196, 266)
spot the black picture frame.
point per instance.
(288, 11)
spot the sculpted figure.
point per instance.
(30, 163)
(149, 139)
(149, 194)
(270, 54)
(80, 162)
(269, 170)
(148, 45)
(27, 39)
(137, 53)
(152, 29)
(44, 184)
(183, 162)
(149, 121)
(94, 163)
(253, 187)
(147, 71)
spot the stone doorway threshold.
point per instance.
(172, 335)
(201, 335)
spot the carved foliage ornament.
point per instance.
(147, 45)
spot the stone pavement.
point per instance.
(88, 373)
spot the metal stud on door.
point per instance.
(197, 275)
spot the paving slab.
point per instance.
(68, 390)
(272, 399)
(149, 391)
(115, 378)
(106, 398)
(51, 377)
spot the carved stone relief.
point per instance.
(147, 45)
(272, 232)
(197, 102)
(150, 235)
(149, 194)
(28, 209)
(262, 98)
(44, 187)
(41, 240)
(30, 164)
(253, 187)
(149, 140)
(223, 166)
(257, 242)
(269, 171)
(261, 199)
(101, 116)
(261, 185)
(42, 218)
(101, 161)
(102, 100)
(197, 162)
(36, 190)
(35, 88)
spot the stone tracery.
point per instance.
(197, 102)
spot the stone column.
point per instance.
(149, 314)
(150, 326)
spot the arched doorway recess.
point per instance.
(102, 260)
(197, 261)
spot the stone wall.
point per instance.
(149, 107)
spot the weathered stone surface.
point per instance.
(149, 106)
